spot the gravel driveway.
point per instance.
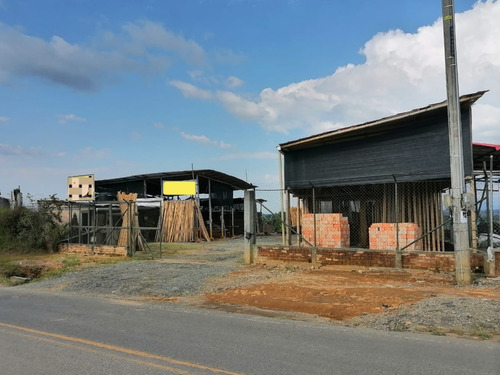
(182, 274)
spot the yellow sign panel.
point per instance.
(81, 188)
(179, 187)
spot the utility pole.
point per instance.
(249, 224)
(458, 192)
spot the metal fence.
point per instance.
(486, 187)
(134, 224)
(399, 216)
(112, 223)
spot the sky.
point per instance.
(123, 87)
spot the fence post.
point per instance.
(129, 230)
(94, 227)
(398, 260)
(249, 225)
(288, 218)
(299, 226)
(282, 192)
(313, 251)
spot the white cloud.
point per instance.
(199, 76)
(4, 119)
(159, 125)
(146, 34)
(191, 91)
(239, 106)
(69, 117)
(233, 82)
(204, 140)
(18, 151)
(141, 47)
(402, 71)
(262, 155)
(488, 117)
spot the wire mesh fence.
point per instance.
(486, 187)
(138, 225)
(110, 223)
(397, 216)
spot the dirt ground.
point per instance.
(340, 293)
(348, 295)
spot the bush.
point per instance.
(32, 230)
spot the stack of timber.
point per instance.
(295, 214)
(130, 235)
(182, 221)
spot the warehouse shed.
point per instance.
(384, 180)
(181, 206)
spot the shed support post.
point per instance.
(398, 262)
(313, 250)
(299, 226)
(288, 217)
(473, 214)
(282, 192)
(210, 221)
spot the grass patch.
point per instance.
(71, 261)
(436, 331)
(167, 249)
(481, 333)
(42, 266)
(474, 332)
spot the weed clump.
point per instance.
(32, 230)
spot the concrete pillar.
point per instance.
(249, 226)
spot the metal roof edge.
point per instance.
(468, 98)
(234, 182)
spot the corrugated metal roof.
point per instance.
(374, 126)
(233, 182)
(483, 154)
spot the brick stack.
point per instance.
(383, 236)
(332, 230)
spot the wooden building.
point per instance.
(389, 171)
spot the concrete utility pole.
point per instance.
(249, 224)
(458, 192)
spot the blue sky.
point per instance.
(116, 88)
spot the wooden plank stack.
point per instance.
(129, 218)
(295, 216)
(181, 221)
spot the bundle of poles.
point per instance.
(181, 221)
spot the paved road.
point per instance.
(46, 333)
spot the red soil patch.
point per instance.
(340, 294)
